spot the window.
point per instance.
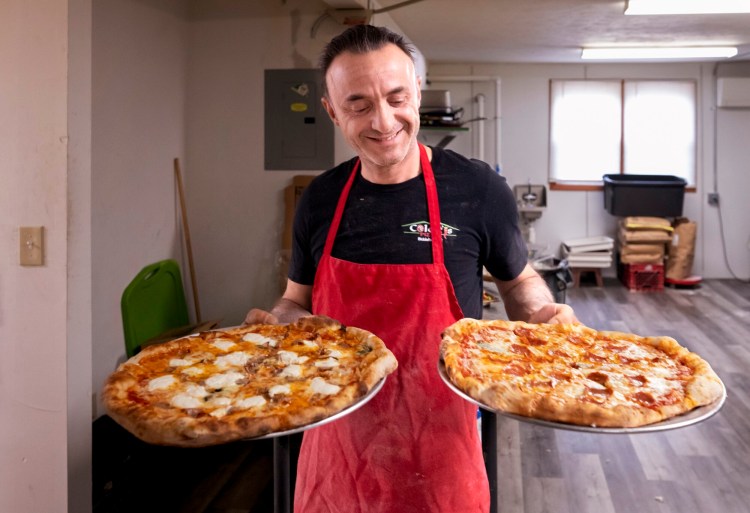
(600, 127)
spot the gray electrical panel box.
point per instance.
(298, 131)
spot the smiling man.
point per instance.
(394, 242)
(374, 99)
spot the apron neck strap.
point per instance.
(436, 228)
(436, 232)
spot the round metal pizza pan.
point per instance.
(687, 419)
(346, 411)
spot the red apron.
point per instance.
(414, 446)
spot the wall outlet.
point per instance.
(713, 199)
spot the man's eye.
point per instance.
(358, 107)
(397, 101)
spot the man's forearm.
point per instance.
(287, 311)
(525, 297)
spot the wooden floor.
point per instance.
(703, 468)
(699, 469)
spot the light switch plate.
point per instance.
(31, 245)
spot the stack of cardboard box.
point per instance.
(642, 245)
(643, 240)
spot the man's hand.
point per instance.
(258, 316)
(295, 303)
(554, 313)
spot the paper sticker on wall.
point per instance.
(298, 107)
(301, 89)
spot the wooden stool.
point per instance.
(577, 271)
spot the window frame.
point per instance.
(594, 185)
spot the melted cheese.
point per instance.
(250, 402)
(161, 382)
(287, 357)
(259, 340)
(180, 362)
(236, 359)
(279, 389)
(223, 344)
(185, 401)
(193, 371)
(291, 371)
(495, 347)
(328, 363)
(633, 352)
(219, 401)
(659, 385)
(197, 391)
(320, 386)
(227, 379)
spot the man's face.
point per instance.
(374, 99)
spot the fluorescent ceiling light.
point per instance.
(695, 52)
(687, 6)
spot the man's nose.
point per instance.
(383, 119)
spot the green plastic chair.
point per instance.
(153, 304)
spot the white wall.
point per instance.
(235, 206)
(139, 69)
(571, 214)
(33, 313)
(733, 181)
(79, 299)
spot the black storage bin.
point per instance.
(644, 195)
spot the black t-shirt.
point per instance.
(384, 224)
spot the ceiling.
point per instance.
(548, 30)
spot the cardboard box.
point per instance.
(642, 253)
(682, 249)
(642, 258)
(292, 195)
(625, 236)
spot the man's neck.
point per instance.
(405, 170)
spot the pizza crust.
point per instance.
(348, 361)
(574, 374)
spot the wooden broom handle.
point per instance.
(186, 228)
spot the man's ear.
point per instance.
(329, 109)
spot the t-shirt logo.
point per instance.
(422, 230)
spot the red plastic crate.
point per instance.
(642, 277)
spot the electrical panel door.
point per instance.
(298, 131)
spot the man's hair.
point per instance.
(361, 39)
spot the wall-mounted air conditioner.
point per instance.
(733, 92)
